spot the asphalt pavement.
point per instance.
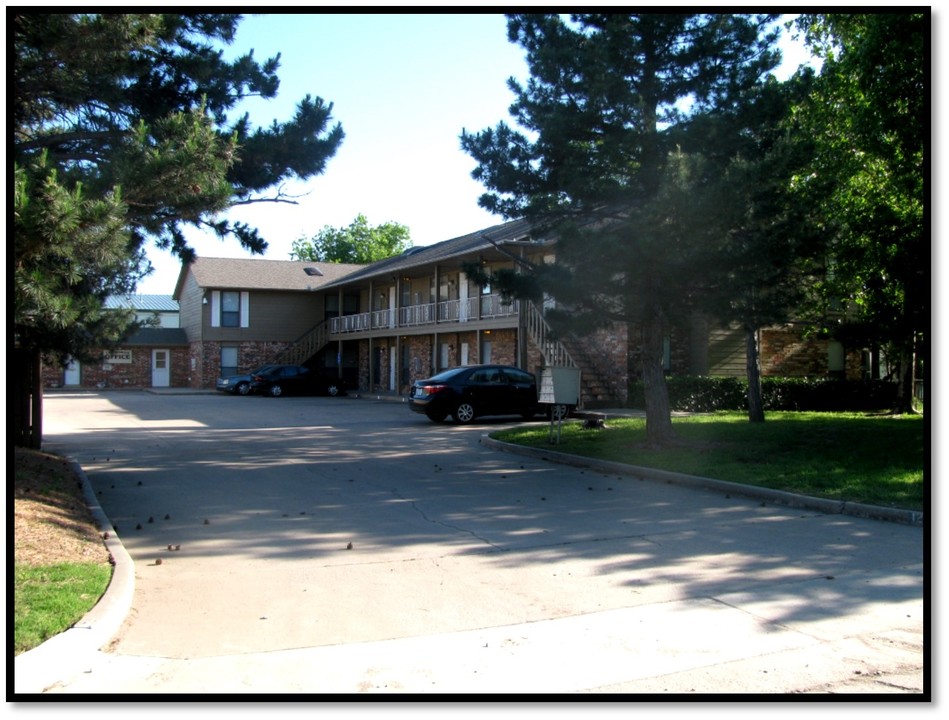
(323, 547)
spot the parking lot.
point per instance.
(343, 545)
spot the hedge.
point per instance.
(690, 393)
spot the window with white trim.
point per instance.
(230, 308)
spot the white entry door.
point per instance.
(72, 374)
(161, 371)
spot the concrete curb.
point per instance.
(65, 655)
(778, 497)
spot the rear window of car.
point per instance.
(518, 376)
(449, 374)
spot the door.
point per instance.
(462, 297)
(392, 363)
(72, 375)
(161, 371)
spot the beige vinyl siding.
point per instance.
(273, 317)
(190, 313)
(726, 351)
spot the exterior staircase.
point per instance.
(304, 347)
(596, 390)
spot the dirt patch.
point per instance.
(52, 523)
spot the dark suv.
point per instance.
(475, 390)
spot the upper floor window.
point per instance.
(230, 308)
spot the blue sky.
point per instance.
(403, 87)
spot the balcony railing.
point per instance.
(448, 311)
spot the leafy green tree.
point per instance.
(121, 138)
(869, 114)
(599, 114)
(768, 250)
(358, 243)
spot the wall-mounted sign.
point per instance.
(117, 357)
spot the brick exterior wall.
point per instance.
(680, 344)
(420, 361)
(785, 352)
(421, 356)
(134, 375)
(206, 359)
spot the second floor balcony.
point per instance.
(485, 307)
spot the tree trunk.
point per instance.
(905, 394)
(753, 373)
(27, 426)
(658, 415)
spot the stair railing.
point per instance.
(538, 330)
(304, 347)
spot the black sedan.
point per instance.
(476, 390)
(239, 384)
(277, 380)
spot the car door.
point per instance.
(488, 388)
(521, 390)
(289, 380)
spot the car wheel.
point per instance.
(243, 388)
(276, 391)
(332, 389)
(437, 417)
(464, 413)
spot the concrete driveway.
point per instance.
(340, 545)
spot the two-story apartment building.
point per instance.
(239, 314)
(383, 325)
(407, 317)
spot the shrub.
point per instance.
(690, 393)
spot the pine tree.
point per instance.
(121, 138)
(599, 114)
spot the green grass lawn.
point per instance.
(874, 459)
(51, 598)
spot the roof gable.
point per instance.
(260, 274)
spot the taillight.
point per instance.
(426, 390)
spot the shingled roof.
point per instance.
(481, 240)
(259, 274)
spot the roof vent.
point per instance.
(312, 271)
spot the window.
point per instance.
(228, 361)
(230, 308)
(519, 376)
